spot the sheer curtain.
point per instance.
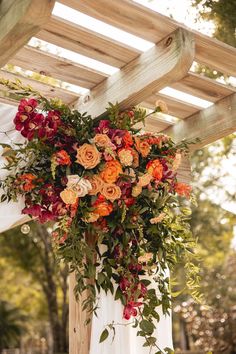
(126, 340)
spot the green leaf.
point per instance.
(147, 326)
(101, 278)
(104, 335)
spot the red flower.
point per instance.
(50, 125)
(127, 139)
(31, 125)
(33, 210)
(26, 182)
(129, 201)
(130, 309)
(27, 106)
(124, 284)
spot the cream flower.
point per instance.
(91, 217)
(126, 157)
(69, 196)
(78, 184)
(144, 180)
(136, 190)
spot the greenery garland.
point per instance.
(103, 182)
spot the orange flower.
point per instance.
(96, 183)
(27, 179)
(88, 156)
(62, 158)
(183, 189)
(111, 192)
(127, 139)
(102, 207)
(142, 146)
(111, 171)
(155, 169)
(102, 140)
(69, 196)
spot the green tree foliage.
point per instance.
(33, 253)
(11, 325)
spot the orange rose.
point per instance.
(88, 156)
(144, 180)
(102, 140)
(96, 183)
(142, 146)
(111, 171)
(127, 139)
(155, 169)
(69, 196)
(183, 189)
(102, 207)
(126, 157)
(111, 192)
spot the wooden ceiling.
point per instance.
(140, 75)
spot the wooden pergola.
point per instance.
(138, 81)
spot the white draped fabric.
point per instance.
(126, 340)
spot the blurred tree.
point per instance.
(34, 254)
(11, 325)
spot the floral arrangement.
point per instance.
(103, 182)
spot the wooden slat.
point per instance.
(203, 87)
(166, 62)
(152, 26)
(153, 124)
(89, 43)
(59, 68)
(176, 107)
(19, 21)
(47, 90)
(209, 125)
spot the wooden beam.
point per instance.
(89, 43)
(203, 87)
(209, 125)
(166, 62)
(19, 21)
(47, 90)
(51, 65)
(153, 26)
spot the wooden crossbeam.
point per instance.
(51, 65)
(89, 43)
(19, 21)
(166, 62)
(209, 125)
(152, 26)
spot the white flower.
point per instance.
(80, 185)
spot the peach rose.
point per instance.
(126, 157)
(155, 169)
(145, 179)
(111, 192)
(142, 146)
(91, 217)
(157, 219)
(69, 196)
(111, 171)
(96, 183)
(102, 140)
(136, 190)
(88, 156)
(162, 105)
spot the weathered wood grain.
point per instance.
(46, 90)
(51, 65)
(150, 25)
(209, 125)
(166, 62)
(19, 21)
(89, 43)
